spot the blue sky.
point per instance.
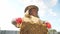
(49, 10)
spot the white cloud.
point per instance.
(51, 12)
(53, 2)
(50, 3)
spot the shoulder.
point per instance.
(26, 19)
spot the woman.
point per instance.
(31, 24)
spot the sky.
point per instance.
(49, 10)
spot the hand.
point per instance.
(14, 22)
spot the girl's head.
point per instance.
(33, 10)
